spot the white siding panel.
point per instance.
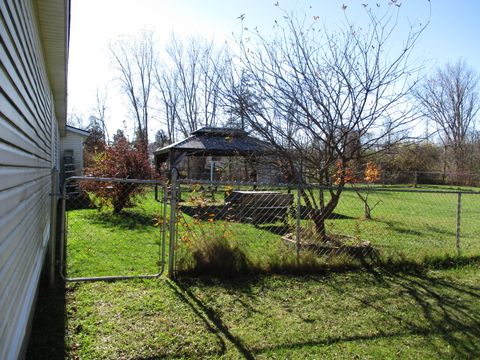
(14, 196)
(21, 211)
(11, 156)
(28, 296)
(18, 59)
(18, 299)
(9, 112)
(14, 25)
(13, 177)
(10, 63)
(12, 95)
(17, 267)
(12, 135)
(74, 141)
(28, 151)
(13, 268)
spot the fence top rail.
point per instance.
(432, 173)
(114, 180)
(381, 189)
(323, 187)
(233, 183)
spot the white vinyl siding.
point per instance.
(74, 141)
(27, 130)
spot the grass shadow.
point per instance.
(277, 229)
(220, 212)
(447, 307)
(437, 230)
(125, 220)
(198, 310)
(399, 229)
(209, 316)
(437, 299)
(306, 212)
(403, 229)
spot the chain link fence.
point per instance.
(117, 228)
(113, 228)
(428, 178)
(242, 226)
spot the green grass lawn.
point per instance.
(377, 314)
(410, 309)
(101, 243)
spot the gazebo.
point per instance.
(212, 141)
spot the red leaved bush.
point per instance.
(120, 160)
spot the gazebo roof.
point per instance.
(215, 141)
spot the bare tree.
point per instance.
(450, 99)
(325, 97)
(76, 120)
(135, 61)
(189, 82)
(99, 114)
(167, 84)
(238, 99)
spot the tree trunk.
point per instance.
(319, 216)
(368, 212)
(121, 196)
(119, 203)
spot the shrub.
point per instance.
(94, 144)
(208, 247)
(124, 161)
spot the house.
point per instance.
(71, 151)
(33, 75)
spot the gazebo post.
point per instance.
(170, 163)
(254, 170)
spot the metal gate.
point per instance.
(113, 229)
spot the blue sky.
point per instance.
(453, 33)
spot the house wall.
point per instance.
(28, 149)
(73, 141)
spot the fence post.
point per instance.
(53, 224)
(298, 216)
(459, 213)
(173, 211)
(63, 229)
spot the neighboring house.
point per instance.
(71, 150)
(33, 55)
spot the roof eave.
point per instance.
(54, 24)
(75, 130)
(168, 148)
